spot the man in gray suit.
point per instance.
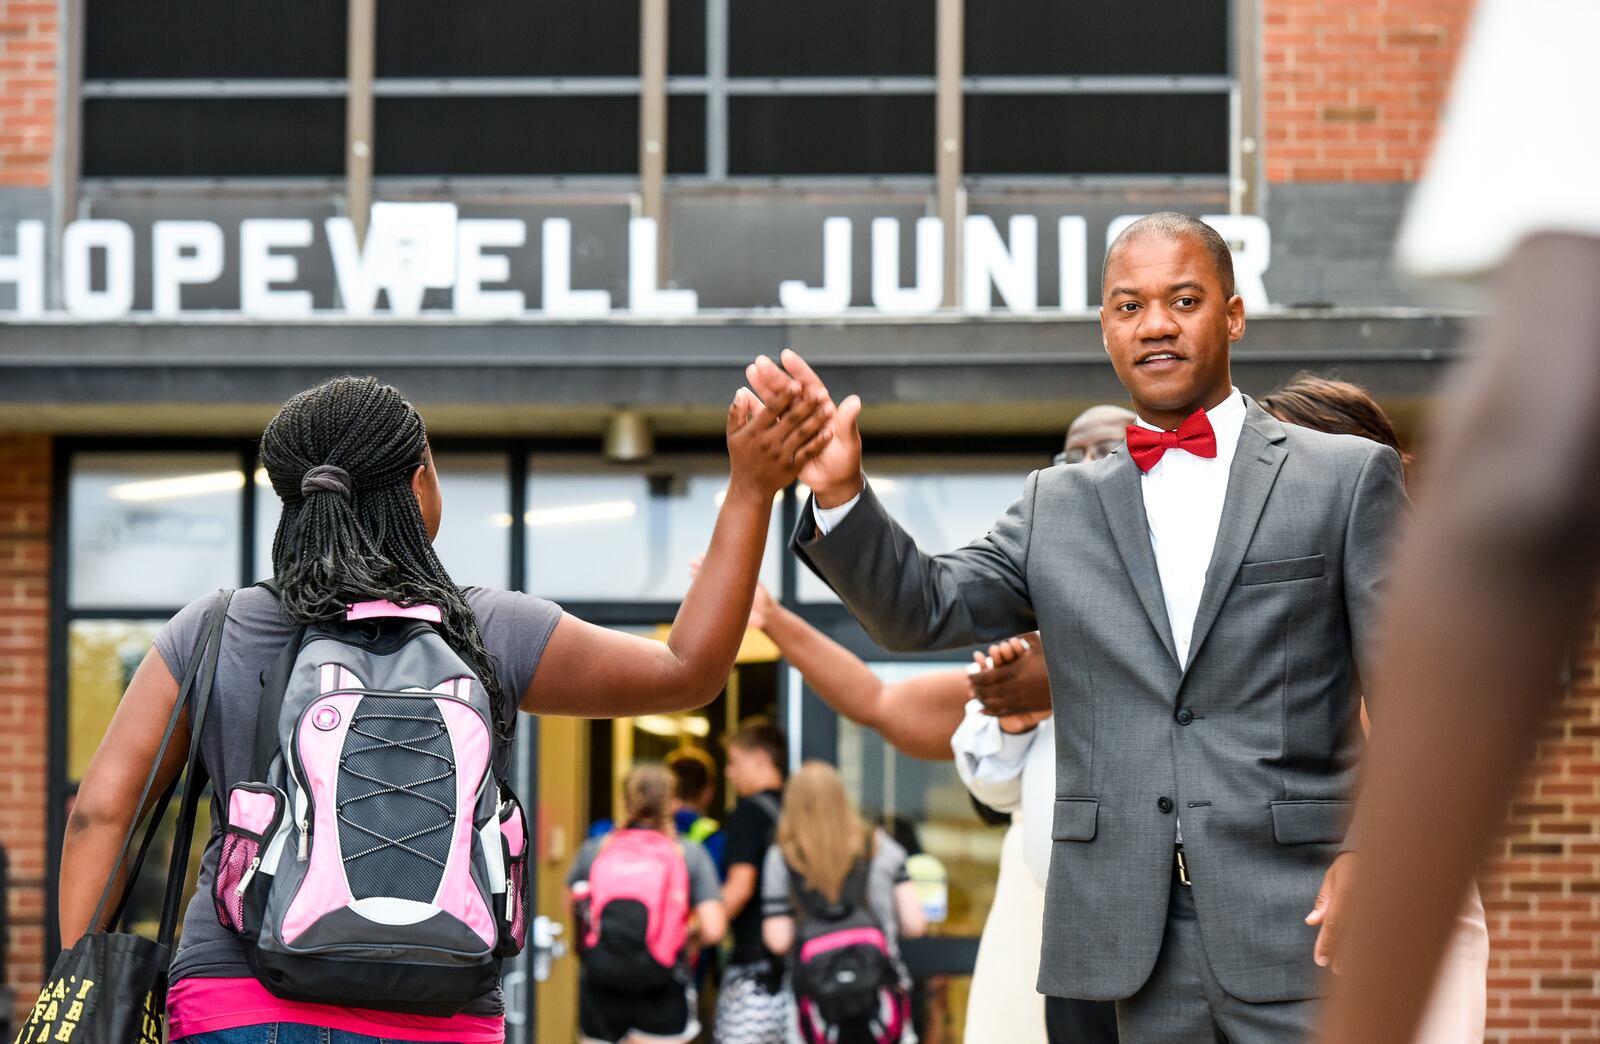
(1203, 595)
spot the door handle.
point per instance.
(545, 946)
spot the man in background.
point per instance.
(752, 1008)
(692, 772)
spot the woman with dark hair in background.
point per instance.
(1328, 404)
(1457, 1011)
(350, 459)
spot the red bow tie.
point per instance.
(1147, 447)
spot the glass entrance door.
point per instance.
(580, 768)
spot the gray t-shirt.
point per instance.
(514, 626)
(888, 869)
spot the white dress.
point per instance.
(1005, 1004)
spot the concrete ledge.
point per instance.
(54, 368)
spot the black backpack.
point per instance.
(847, 988)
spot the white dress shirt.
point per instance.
(1183, 497)
(1012, 773)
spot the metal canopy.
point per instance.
(687, 364)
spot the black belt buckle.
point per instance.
(1183, 868)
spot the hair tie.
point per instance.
(326, 478)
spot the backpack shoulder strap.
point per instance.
(194, 781)
(200, 670)
(273, 686)
(809, 903)
(856, 883)
(768, 804)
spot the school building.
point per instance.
(563, 229)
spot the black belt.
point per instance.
(1181, 866)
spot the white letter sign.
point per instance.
(474, 267)
(25, 269)
(182, 252)
(560, 300)
(644, 297)
(1014, 272)
(259, 267)
(78, 245)
(833, 296)
(887, 293)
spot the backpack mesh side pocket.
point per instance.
(254, 812)
(514, 917)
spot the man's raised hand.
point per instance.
(834, 472)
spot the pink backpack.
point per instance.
(638, 912)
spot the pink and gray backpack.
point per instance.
(638, 916)
(378, 859)
(847, 989)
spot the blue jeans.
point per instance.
(283, 1033)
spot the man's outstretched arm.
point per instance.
(1498, 568)
(905, 599)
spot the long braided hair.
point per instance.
(341, 457)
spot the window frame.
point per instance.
(715, 85)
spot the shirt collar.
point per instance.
(1226, 417)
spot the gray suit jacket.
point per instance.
(1254, 745)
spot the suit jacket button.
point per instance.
(1164, 804)
(1185, 716)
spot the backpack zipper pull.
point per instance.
(305, 841)
(250, 872)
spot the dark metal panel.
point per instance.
(940, 955)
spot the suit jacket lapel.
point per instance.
(1255, 467)
(1123, 501)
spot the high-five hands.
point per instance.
(773, 434)
(1011, 683)
(833, 472)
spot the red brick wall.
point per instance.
(24, 696)
(27, 90)
(1543, 892)
(1352, 89)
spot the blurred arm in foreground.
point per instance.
(1486, 592)
(1501, 563)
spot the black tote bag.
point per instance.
(111, 986)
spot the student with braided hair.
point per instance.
(361, 506)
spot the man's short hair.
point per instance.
(760, 734)
(1169, 224)
(692, 770)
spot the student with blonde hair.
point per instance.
(642, 895)
(836, 895)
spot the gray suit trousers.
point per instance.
(1183, 1003)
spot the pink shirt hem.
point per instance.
(196, 1006)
